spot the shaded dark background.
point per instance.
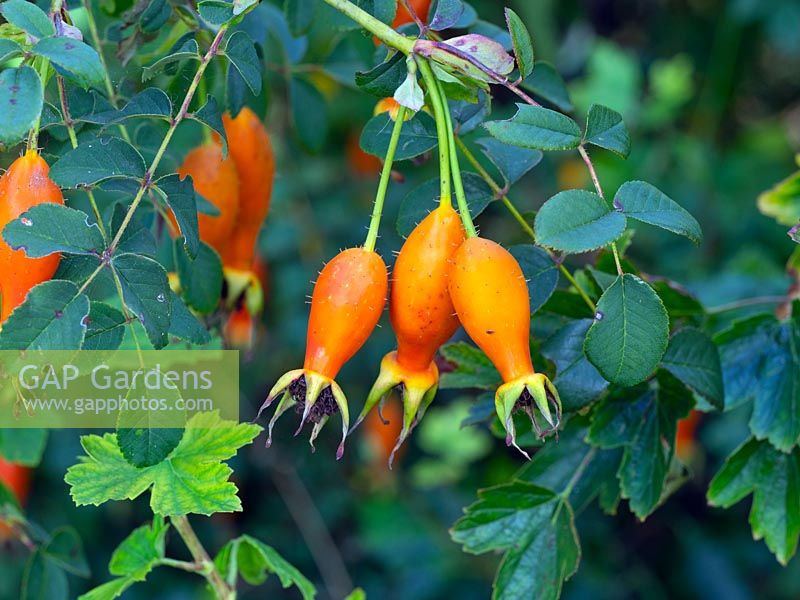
(710, 90)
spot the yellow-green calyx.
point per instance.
(418, 389)
(537, 397)
(318, 396)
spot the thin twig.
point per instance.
(205, 565)
(746, 302)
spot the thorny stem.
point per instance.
(112, 96)
(596, 181)
(33, 137)
(500, 192)
(383, 186)
(441, 131)
(379, 29)
(212, 51)
(222, 590)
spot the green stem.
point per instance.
(380, 30)
(471, 159)
(184, 109)
(33, 137)
(564, 495)
(205, 565)
(383, 186)
(441, 131)
(461, 196)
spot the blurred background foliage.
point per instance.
(709, 90)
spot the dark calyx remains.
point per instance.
(325, 406)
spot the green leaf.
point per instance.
(578, 382)
(511, 161)
(43, 578)
(28, 17)
(521, 39)
(575, 221)
(383, 80)
(147, 445)
(21, 100)
(201, 278)
(604, 128)
(146, 292)
(192, 480)
(180, 197)
(255, 561)
(418, 136)
(774, 480)
(108, 591)
(75, 60)
(309, 114)
(215, 12)
(185, 48)
(538, 128)
(760, 359)
(424, 198)
(541, 273)
(184, 324)
(693, 358)
(630, 332)
(9, 49)
(677, 300)
(641, 201)
(23, 446)
(211, 116)
(140, 552)
(547, 83)
(471, 368)
(98, 160)
(299, 15)
(48, 228)
(53, 317)
(106, 327)
(151, 103)
(446, 14)
(536, 530)
(137, 237)
(65, 549)
(155, 16)
(241, 51)
(480, 48)
(782, 201)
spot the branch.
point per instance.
(203, 561)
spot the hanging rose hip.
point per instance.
(422, 316)
(490, 295)
(24, 185)
(347, 302)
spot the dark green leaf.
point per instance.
(546, 83)
(21, 101)
(44, 578)
(75, 60)
(23, 446)
(471, 368)
(309, 114)
(48, 228)
(604, 128)
(578, 382)
(147, 446)
(241, 51)
(53, 317)
(541, 273)
(424, 198)
(383, 80)
(151, 102)
(28, 17)
(137, 237)
(9, 49)
(180, 196)
(446, 14)
(774, 480)
(641, 201)
(538, 128)
(146, 292)
(97, 160)
(211, 116)
(66, 550)
(678, 301)
(185, 48)
(215, 12)
(201, 278)
(575, 221)
(521, 39)
(185, 325)
(536, 529)
(511, 161)
(105, 329)
(418, 136)
(693, 358)
(299, 15)
(630, 332)
(155, 16)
